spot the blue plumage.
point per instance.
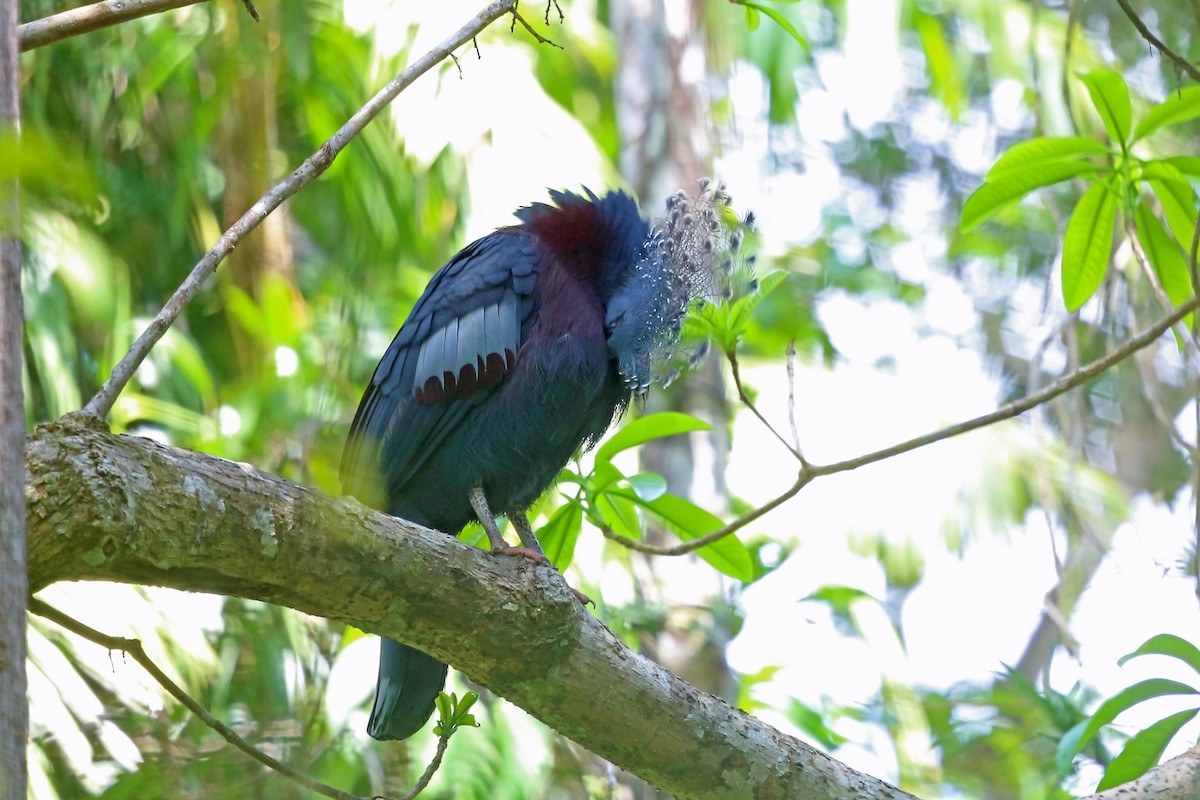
(523, 347)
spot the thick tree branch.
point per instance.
(99, 406)
(104, 507)
(86, 19)
(1178, 777)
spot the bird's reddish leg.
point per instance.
(525, 531)
(499, 546)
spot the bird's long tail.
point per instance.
(408, 684)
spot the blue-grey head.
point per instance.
(688, 257)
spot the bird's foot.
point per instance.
(531, 554)
(539, 559)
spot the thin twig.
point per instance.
(1064, 384)
(249, 4)
(554, 3)
(810, 472)
(791, 401)
(426, 776)
(1154, 41)
(748, 403)
(85, 19)
(99, 406)
(135, 650)
(806, 476)
(516, 17)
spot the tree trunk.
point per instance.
(666, 144)
(14, 709)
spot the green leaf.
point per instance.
(648, 428)
(1179, 207)
(996, 195)
(603, 476)
(1189, 165)
(1087, 244)
(1110, 96)
(812, 723)
(443, 705)
(726, 322)
(1144, 749)
(465, 704)
(688, 521)
(752, 18)
(1167, 644)
(452, 713)
(1125, 699)
(1177, 196)
(1042, 150)
(744, 307)
(1069, 746)
(1181, 106)
(779, 19)
(648, 485)
(133, 407)
(619, 513)
(1166, 259)
(560, 533)
(946, 82)
(837, 597)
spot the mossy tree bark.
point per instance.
(105, 507)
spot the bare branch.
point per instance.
(427, 775)
(748, 403)
(134, 648)
(806, 477)
(249, 4)
(791, 401)
(516, 15)
(86, 19)
(1179, 61)
(99, 406)
(1018, 407)
(809, 472)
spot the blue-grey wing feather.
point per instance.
(476, 310)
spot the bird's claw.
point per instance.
(539, 558)
(531, 554)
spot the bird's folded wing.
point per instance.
(460, 341)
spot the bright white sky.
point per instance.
(969, 615)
